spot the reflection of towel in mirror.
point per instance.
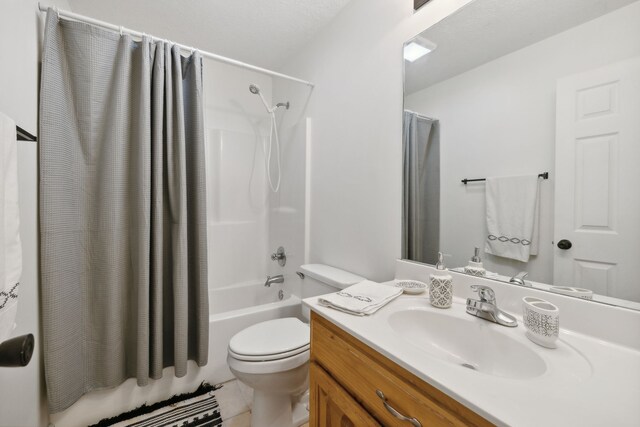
(362, 298)
(513, 216)
(10, 247)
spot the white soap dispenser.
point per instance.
(441, 285)
(475, 267)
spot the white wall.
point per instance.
(21, 26)
(499, 119)
(356, 111)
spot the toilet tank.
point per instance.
(320, 279)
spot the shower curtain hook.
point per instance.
(55, 8)
(120, 30)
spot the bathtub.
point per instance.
(236, 307)
(232, 309)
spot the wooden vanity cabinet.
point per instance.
(347, 378)
(332, 405)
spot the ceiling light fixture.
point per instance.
(417, 48)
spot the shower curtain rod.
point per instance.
(420, 116)
(82, 18)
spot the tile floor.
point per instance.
(235, 404)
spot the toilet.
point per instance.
(272, 357)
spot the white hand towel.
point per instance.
(10, 246)
(513, 216)
(362, 298)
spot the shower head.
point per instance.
(254, 89)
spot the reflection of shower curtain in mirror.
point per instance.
(421, 188)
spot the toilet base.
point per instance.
(301, 410)
(271, 410)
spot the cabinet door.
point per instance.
(331, 405)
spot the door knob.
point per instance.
(564, 244)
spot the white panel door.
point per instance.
(597, 197)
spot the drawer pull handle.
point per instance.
(395, 413)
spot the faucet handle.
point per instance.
(486, 293)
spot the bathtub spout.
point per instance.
(274, 279)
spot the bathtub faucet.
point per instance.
(275, 279)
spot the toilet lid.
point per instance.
(271, 338)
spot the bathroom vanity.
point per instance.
(445, 367)
(355, 385)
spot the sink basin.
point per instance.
(472, 343)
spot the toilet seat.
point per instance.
(268, 366)
(272, 346)
(271, 340)
(268, 357)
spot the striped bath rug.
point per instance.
(196, 409)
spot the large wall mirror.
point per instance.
(521, 138)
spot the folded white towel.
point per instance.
(512, 216)
(10, 246)
(362, 298)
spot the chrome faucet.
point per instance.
(518, 279)
(274, 279)
(487, 308)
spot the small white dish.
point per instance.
(542, 321)
(573, 292)
(412, 287)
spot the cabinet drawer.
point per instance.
(362, 371)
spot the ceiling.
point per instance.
(261, 32)
(488, 29)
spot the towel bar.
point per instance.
(543, 175)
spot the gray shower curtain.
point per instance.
(122, 210)
(421, 188)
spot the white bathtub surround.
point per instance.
(592, 362)
(10, 245)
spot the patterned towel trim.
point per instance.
(6, 296)
(505, 239)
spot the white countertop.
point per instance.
(603, 389)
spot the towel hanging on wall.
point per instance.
(513, 217)
(10, 245)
